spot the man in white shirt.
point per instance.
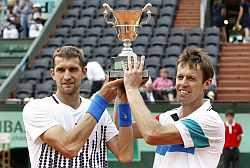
(191, 136)
(66, 130)
(96, 74)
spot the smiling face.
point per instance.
(194, 75)
(189, 85)
(68, 74)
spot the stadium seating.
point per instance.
(153, 62)
(43, 89)
(85, 89)
(24, 90)
(83, 25)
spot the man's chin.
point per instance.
(68, 91)
(182, 99)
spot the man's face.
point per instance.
(189, 85)
(68, 75)
(164, 73)
(230, 119)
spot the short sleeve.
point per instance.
(111, 128)
(200, 132)
(37, 119)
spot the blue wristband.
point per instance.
(97, 106)
(124, 115)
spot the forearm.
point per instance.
(144, 120)
(123, 119)
(83, 130)
(77, 137)
(136, 131)
(71, 141)
(125, 143)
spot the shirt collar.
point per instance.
(205, 106)
(233, 124)
(58, 101)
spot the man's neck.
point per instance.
(231, 123)
(188, 109)
(70, 100)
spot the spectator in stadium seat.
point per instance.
(35, 21)
(219, 14)
(66, 130)
(233, 134)
(96, 74)
(10, 29)
(163, 86)
(24, 8)
(191, 136)
(244, 19)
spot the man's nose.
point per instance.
(67, 75)
(184, 81)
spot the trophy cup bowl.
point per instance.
(126, 24)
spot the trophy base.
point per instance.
(118, 74)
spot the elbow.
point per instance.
(155, 138)
(149, 140)
(127, 158)
(150, 137)
(70, 154)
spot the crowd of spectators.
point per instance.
(22, 19)
(220, 19)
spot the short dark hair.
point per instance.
(163, 69)
(196, 56)
(229, 113)
(68, 52)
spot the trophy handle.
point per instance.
(146, 8)
(107, 10)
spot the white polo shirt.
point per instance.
(203, 134)
(41, 114)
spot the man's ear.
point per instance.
(84, 72)
(207, 83)
(52, 73)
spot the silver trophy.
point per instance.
(126, 24)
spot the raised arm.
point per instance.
(151, 130)
(122, 145)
